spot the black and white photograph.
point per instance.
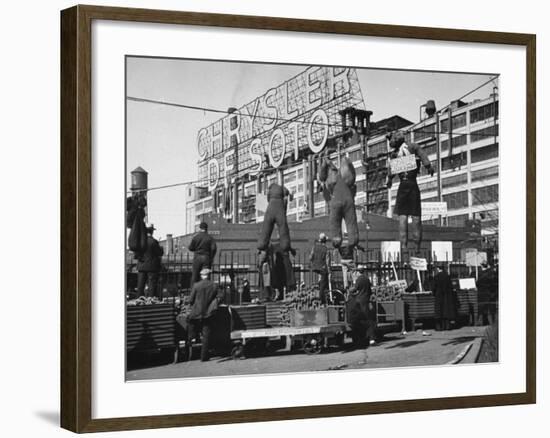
(285, 218)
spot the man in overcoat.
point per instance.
(149, 265)
(361, 311)
(204, 304)
(204, 246)
(445, 299)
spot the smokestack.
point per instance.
(232, 125)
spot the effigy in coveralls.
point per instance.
(277, 197)
(407, 203)
(339, 189)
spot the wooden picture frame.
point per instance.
(76, 218)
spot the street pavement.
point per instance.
(395, 350)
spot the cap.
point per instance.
(205, 271)
(150, 227)
(203, 226)
(322, 237)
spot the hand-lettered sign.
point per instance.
(419, 264)
(403, 164)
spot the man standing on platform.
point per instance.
(204, 247)
(320, 264)
(149, 265)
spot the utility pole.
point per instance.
(310, 187)
(234, 143)
(438, 149)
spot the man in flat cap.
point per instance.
(149, 265)
(204, 247)
(204, 304)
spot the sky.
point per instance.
(162, 139)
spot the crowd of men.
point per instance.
(360, 308)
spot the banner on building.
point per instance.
(473, 257)
(442, 251)
(431, 209)
(391, 250)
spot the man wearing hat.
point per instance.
(320, 264)
(149, 265)
(204, 304)
(445, 299)
(487, 289)
(361, 310)
(204, 247)
(407, 202)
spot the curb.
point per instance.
(469, 354)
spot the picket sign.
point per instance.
(398, 284)
(403, 164)
(419, 264)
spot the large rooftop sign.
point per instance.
(299, 114)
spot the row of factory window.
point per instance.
(486, 196)
(460, 179)
(380, 148)
(476, 115)
(490, 221)
(456, 161)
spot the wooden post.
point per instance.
(419, 281)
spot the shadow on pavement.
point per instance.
(460, 340)
(406, 344)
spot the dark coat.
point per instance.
(358, 304)
(319, 257)
(203, 244)
(203, 300)
(283, 272)
(151, 257)
(445, 299)
(487, 286)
